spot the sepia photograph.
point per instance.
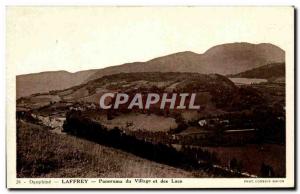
(136, 96)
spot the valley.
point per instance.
(248, 118)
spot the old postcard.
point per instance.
(150, 97)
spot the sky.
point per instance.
(81, 38)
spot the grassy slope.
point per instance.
(41, 153)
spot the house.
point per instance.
(202, 122)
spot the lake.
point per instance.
(247, 81)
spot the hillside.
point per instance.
(271, 71)
(222, 59)
(213, 89)
(215, 93)
(68, 156)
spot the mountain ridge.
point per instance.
(224, 59)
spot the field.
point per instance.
(137, 122)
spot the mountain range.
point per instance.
(225, 59)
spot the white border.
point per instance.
(94, 2)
